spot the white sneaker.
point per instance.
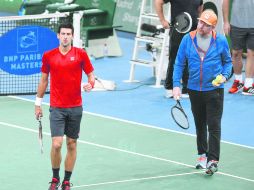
(169, 94)
(201, 161)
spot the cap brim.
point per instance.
(205, 21)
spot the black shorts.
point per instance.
(65, 121)
(242, 38)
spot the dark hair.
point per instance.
(212, 6)
(65, 25)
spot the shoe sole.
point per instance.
(211, 171)
(57, 187)
(247, 94)
(199, 167)
(240, 89)
(168, 96)
(235, 92)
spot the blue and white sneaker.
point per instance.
(201, 161)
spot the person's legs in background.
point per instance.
(237, 65)
(249, 74)
(249, 69)
(238, 42)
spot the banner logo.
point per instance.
(22, 49)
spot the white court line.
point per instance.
(139, 124)
(135, 179)
(126, 151)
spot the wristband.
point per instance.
(38, 101)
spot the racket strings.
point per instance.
(180, 117)
(183, 22)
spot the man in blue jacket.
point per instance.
(210, 65)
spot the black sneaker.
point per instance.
(66, 185)
(211, 167)
(248, 91)
(54, 184)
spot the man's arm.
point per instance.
(42, 85)
(40, 93)
(226, 59)
(91, 78)
(225, 11)
(159, 10)
(180, 62)
(200, 8)
(91, 81)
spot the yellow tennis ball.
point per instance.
(218, 79)
(214, 83)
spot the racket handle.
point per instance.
(178, 102)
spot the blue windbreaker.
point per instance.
(202, 71)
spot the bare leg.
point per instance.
(71, 154)
(237, 61)
(249, 70)
(56, 156)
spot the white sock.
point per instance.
(248, 82)
(239, 78)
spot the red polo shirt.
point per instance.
(66, 75)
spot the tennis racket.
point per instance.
(40, 135)
(179, 115)
(182, 22)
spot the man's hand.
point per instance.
(165, 24)
(218, 80)
(176, 93)
(87, 87)
(226, 28)
(38, 112)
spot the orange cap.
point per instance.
(209, 17)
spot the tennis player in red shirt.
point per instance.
(64, 65)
